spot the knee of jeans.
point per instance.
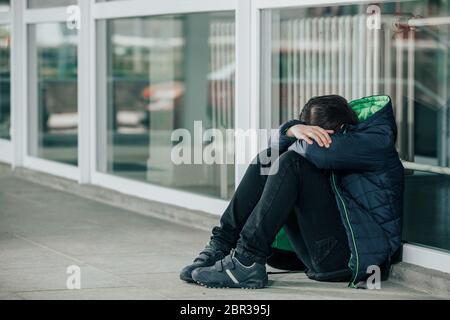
(286, 161)
(290, 157)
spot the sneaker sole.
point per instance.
(248, 286)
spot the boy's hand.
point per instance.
(310, 133)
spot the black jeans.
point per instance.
(298, 197)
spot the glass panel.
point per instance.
(163, 73)
(4, 5)
(342, 50)
(53, 92)
(5, 83)
(38, 4)
(427, 218)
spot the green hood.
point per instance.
(367, 107)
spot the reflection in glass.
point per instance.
(5, 5)
(5, 83)
(427, 218)
(53, 92)
(335, 50)
(163, 73)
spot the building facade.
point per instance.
(93, 90)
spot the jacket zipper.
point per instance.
(352, 283)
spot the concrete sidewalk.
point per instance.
(122, 255)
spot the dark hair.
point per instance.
(328, 112)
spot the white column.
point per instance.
(84, 91)
(18, 78)
(247, 64)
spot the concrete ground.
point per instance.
(122, 255)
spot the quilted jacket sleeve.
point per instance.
(365, 151)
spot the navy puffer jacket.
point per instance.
(367, 178)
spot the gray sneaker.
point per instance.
(208, 257)
(230, 273)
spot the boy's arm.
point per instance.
(282, 141)
(294, 130)
(353, 150)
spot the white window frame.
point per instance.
(23, 158)
(412, 253)
(6, 146)
(6, 154)
(426, 257)
(139, 8)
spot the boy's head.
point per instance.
(328, 112)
